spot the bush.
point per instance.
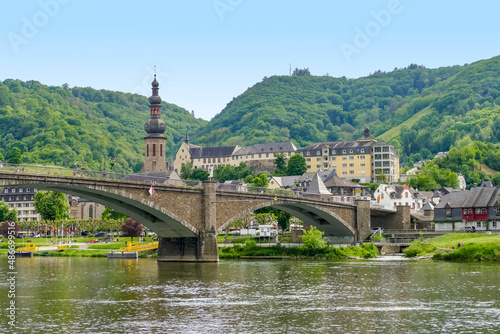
(416, 248)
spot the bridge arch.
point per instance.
(156, 218)
(323, 219)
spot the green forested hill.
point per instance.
(421, 111)
(63, 126)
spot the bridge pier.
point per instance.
(203, 247)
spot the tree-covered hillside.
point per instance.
(421, 111)
(63, 126)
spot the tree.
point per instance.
(109, 214)
(131, 228)
(296, 165)
(1, 157)
(282, 216)
(260, 180)
(300, 72)
(313, 239)
(280, 162)
(186, 171)
(7, 226)
(6, 214)
(199, 174)
(51, 205)
(15, 156)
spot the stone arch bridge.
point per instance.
(188, 219)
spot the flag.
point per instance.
(151, 191)
(45, 229)
(51, 228)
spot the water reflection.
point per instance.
(82, 295)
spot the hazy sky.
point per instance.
(209, 51)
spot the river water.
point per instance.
(389, 295)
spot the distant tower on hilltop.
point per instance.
(154, 160)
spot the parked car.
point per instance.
(467, 229)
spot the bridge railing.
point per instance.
(151, 179)
(84, 173)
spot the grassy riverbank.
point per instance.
(252, 250)
(477, 247)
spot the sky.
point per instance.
(209, 51)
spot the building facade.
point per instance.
(23, 200)
(364, 159)
(209, 158)
(478, 207)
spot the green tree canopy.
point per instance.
(280, 162)
(109, 214)
(15, 156)
(296, 165)
(313, 239)
(51, 205)
(261, 180)
(6, 214)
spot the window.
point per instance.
(334, 152)
(21, 190)
(308, 166)
(497, 211)
(362, 165)
(318, 159)
(13, 190)
(378, 149)
(483, 211)
(260, 155)
(318, 166)
(351, 172)
(308, 159)
(308, 153)
(318, 153)
(351, 165)
(91, 210)
(351, 151)
(154, 150)
(344, 165)
(385, 156)
(362, 157)
(469, 211)
(465, 211)
(344, 158)
(448, 212)
(478, 211)
(385, 149)
(334, 158)
(378, 156)
(406, 195)
(6, 191)
(351, 157)
(344, 173)
(344, 151)
(362, 150)
(267, 155)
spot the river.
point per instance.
(388, 295)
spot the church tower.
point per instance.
(154, 160)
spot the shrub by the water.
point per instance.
(416, 248)
(472, 252)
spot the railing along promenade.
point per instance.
(161, 180)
